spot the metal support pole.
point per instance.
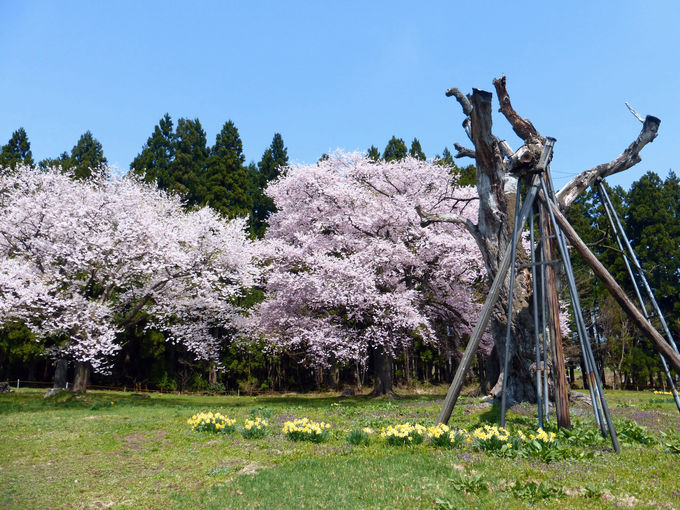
(534, 285)
(588, 353)
(544, 304)
(516, 231)
(485, 315)
(622, 238)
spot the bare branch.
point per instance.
(635, 113)
(460, 97)
(429, 218)
(506, 150)
(523, 127)
(631, 156)
(467, 108)
(463, 152)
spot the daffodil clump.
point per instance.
(358, 437)
(303, 429)
(544, 446)
(403, 434)
(442, 436)
(495, 440)
(656, 392)
(212, 422)
(254, 428)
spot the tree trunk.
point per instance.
(382, 373)
(60, 374)
(497, 170)
(81, 377)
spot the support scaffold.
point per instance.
(540, 186)
(638, 279)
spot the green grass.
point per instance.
(85, 452)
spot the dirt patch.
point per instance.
(250, 469)
(138, 441)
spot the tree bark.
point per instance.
(382, 373)
(498, 169)
(60, 373)
(81, 377)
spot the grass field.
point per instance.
(117, 450)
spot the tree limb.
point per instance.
(467, 108)
(635, 113)
(631, 156)
(523, 127)
(460, 97)
(463, 152)
(429, 218)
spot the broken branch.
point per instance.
(523, 127)
(631, 156)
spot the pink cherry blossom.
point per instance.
(349, 268)
(85, 259)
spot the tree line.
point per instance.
(650, 214)
(179, 161)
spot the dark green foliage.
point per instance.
(416, 151)
(650, 214)
(447, 157)
(228, 186)
(153, 163)
(188, 168)
(395, 149)
(653, 225)
(268, 169)
(17, 150)
(87, 157)
(373, 153)
(465, 176)
(178, 160)
(18, 348)
(60, 161)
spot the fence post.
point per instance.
(17, 384)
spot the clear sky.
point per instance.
(346, 74)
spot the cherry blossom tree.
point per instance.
(352, 276)
(83, 260)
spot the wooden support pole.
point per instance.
(557, 351)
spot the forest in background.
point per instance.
(178, 158)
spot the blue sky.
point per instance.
(347, 74)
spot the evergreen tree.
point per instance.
(447, 157)
(228, 189)
(395, 149)
(87, 156)
(17, 151)
(373, 153)
(416, 151)
(153, 163)
(61, 161)
(275, 157)
(187, 171)
(653, 225)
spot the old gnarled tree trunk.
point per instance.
(497, 167)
